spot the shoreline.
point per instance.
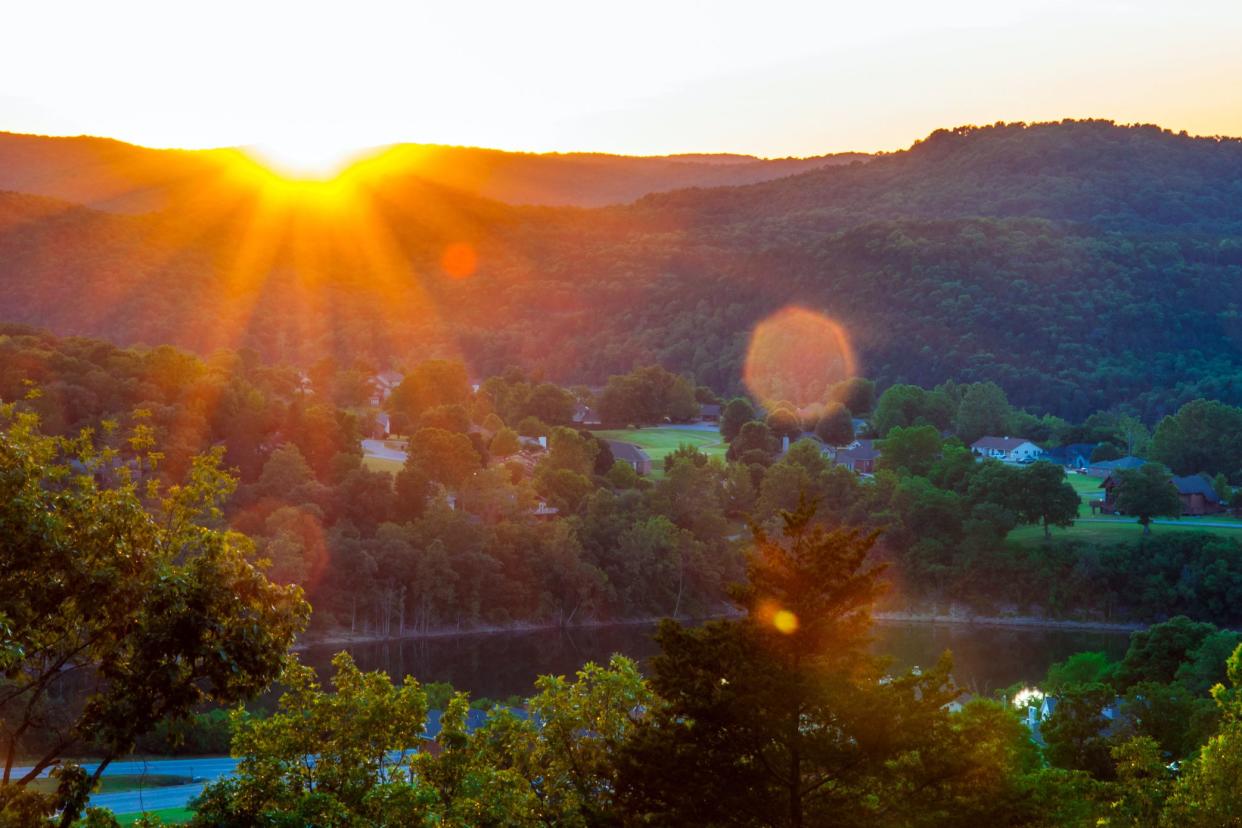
(893, 618)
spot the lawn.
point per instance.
(170, 816)
(658, 442)
(382, 464)
(119, 782)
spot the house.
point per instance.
(630, 453)
(859, 456)
(1007, 449)
(709, 413)
(543, 511)
(382, 386)
(585, 415)
(1195, 490)
(1074, 456)
(1104, 468)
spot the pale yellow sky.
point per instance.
(771, 78)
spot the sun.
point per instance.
(305, 157)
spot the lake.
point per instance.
(499, 665)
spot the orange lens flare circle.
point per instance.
(459, 260)
(780, 619)
(796, 355)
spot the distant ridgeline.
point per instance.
(1080, 265)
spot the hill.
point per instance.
(1079, 264)
(118, 177)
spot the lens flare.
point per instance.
(796, 355)
(774, 615)
(785, 621)
(459, 260)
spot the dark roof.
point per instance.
(1196, 484)
(1000, 443)
(709, 410)
(865, 450)
(627, 452)
(1122, 463)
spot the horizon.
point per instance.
(556, 78)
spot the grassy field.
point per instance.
(382, 464)
(170, 816)
(1109, 529)
(119, 783)
(658, 442)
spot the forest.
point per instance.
(1080, 265)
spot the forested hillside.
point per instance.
(118, 177)
(1080, 265)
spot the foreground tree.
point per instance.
(1148, 492)
(1208, 793)
(123, 609)
(783, 717)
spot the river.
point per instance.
(500, 665)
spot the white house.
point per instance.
(382, 386)
(1007, 449)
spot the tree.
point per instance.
(323, 757)
(781, 717)
(1207, 793)
(444, 456)
(784, 423)
(1103, 452)
(432, 383)
(1081, 668)
(984, 410)
(909, 405)
(754, 436)
(1203, 436)
(1147, 492)
(571, 450)
(452, 417)
(685, 451)
(737, 413)
(1046, 497)
(551, 404)
(856, 394)
(144, 610)
(914, 448)
(835, 426)
(505, 443)
(1156, 653)
(647, 395)
(1075, 732)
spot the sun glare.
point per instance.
(304, 158)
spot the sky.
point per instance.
(773, 78)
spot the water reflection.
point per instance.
(500, 665)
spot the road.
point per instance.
(376, 448)
(203, 770)
(1206, 524)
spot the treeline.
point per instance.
(485, 526)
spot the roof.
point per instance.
(1000, 443)
(389, 377)
(1196, 484)
(865, 450)
(628, 452)
(1122, 463)
(709, 410)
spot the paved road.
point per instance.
(151, 799)
(376, 448)
(1158, 522)
(202, 770)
